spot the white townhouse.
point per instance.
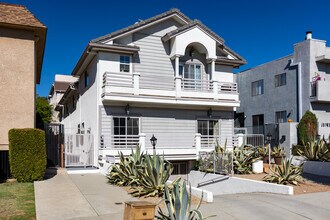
(167, 76)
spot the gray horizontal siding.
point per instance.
(174, 128)
(153, 63)
(226, 131)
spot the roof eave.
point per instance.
(96, 47)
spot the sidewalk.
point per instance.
(79, 196)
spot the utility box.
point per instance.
(139, 210)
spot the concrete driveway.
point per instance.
(89, 196)
(269, 206)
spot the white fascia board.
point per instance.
(144, 26)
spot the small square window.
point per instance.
(124, 64)
(280, 80)
(258, 87)
(280, 117)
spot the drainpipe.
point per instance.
(298, 64)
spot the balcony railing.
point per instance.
(124, 141)
(319, 91)
(208, 141)
(197, 85)
(132, 84)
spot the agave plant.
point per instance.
(126, 172)
(278, 151)
(317, 150)
(152, 178)
(243, 159)
(285, 174)
(178, 204)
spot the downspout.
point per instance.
(298, 89)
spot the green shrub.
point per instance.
(307, 128)
(178, 204)
(27, 154)
(317, 150)
(285, 174)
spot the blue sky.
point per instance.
(258, 30)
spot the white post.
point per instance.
(215, 89)
(212, 68)
(198, 143)
(178, 86)
(240, 139)
(176, 66)
(142, 142)
(136, 83)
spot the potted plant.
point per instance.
(263, 152)
(278, 153)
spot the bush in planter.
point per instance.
(278, 153)
(307, 128)
(27, 154)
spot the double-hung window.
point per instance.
(125, 131)
(280, 80)
(258, 87)
(124, 63)
(280, 117)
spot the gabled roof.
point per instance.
(19, 17)
(195, 23)
(142, 23)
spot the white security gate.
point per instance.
(79, 150)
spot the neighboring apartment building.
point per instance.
(60, 85)
(286, 88)
(167, 76)
(22, 44)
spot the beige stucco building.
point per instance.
(22, 43)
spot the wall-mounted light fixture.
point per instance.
(153, 141)
(127, 109)
(209, 113)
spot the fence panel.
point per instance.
(212, 162)
(79, 150)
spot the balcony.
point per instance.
(125, 87)
(319, 91)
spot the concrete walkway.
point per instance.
(78, 196)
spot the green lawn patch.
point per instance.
(17, 201)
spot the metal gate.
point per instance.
(79, 150)
(54, 139)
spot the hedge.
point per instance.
(27, 154)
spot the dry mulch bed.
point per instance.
(311, 184)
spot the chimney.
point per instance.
(308, 35)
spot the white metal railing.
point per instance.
(124, 141)
(122, 79)
(199, 85)
(79, 150)
(224, 87)
(208, 141)
(254, 139)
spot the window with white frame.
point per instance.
(193, 71)
(125, 131)
(209, 130)
(124, 63)
(257, 87)
(280, 117)
(280, 80)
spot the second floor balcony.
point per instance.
(130, 87)
(319, 91)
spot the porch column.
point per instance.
(177, 78)
(215, 89)
(198, 144)
(240, 139)
(212, 68)
(142, 142)
(136, 83)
